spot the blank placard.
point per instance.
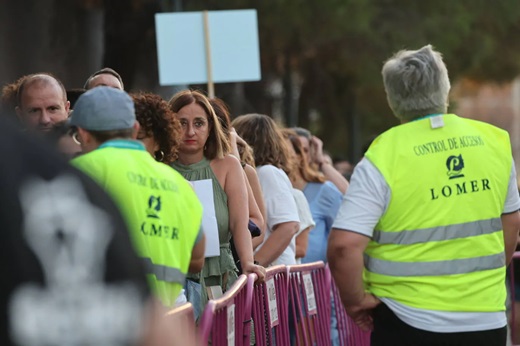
(234, 47)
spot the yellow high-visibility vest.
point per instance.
(439, 244)
(162, 212)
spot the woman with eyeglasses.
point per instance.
(203, 154)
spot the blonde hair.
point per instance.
(217, 145)
(302, 165)
(247, 155)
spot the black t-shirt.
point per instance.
(68, 273)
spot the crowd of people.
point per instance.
(274, 194)
(418, 244)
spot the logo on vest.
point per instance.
(154, 207)
(156, 228)
(455, 164)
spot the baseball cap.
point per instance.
(103, 109)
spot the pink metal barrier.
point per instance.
(227, 320)
(271, 308)
(349, 333)
(180, 318)
(512, 293)
(184, 313)
(309, 287)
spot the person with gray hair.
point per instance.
(416, 83)
(105, 77)
(421, 242)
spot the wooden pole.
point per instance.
(209, 69)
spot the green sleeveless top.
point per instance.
(214, 267)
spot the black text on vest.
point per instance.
(460, 188)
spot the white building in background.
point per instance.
(497, 104)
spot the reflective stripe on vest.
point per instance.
(463, 230)
(435, 268)
(164, 273)
(436, 250)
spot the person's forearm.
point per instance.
(510, 225)
(258, 240)
(197, 255)
(254, 184)
(302, 241)
(346, 265)
(274, 246)
(301, 250)
(196, 265)
(334, 176)
(243, 245)
(254, 211)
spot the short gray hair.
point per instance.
(105, 70)
(416, 83)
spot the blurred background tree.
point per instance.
(321, 60)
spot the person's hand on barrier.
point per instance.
(251, 268)
(361, 313)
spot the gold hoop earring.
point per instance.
(156, 156)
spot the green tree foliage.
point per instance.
(339, 46)
(327, 54)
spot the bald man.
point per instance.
(41, 102)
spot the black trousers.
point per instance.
(389, 330)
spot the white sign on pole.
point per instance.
(204, 191)
(234, 48)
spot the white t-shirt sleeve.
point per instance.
(279, 202)
(364, 202)
(304, 211)
(512, 202)
(368, 196)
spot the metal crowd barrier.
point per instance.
(512, 295)
(349, 333)
(309, 300)
(227, 320)
(183, 318)
(270, 308)
(292, 307)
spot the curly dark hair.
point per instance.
(8, 101)
(158, 121)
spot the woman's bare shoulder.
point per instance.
(228, 162)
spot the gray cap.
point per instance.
(103, 109)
